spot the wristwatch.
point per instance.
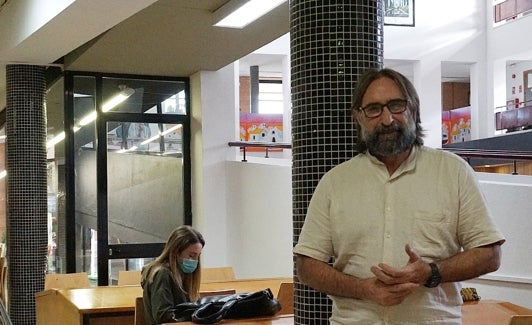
(435, 276)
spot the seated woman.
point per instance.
(173, 277)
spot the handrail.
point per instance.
(495, 154)
(513, 155)
(467, 153)
(255, 144)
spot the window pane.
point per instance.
(271, 98)
(143, 96)
(145, 181)
(85, 175)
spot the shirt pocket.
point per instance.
(433, 235)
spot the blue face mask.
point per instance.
(188, 266)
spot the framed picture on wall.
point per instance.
(399, 12)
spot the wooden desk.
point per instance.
(274, 320)
(491, 312)
(487, 312)
(116, 304)
(94, 306)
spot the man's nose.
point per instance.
(386, 116)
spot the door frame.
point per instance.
(106, 251)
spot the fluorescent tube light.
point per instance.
(58, 138)
(239, 13)
(161, 134)
(125, 93)
(120, 97)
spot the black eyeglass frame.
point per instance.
(395, 106)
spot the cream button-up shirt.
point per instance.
(362, 216)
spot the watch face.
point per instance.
(435, 278)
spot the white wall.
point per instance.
(243, 209)
(260, 215)
(508, 197)
(441, 33)
(214, 123)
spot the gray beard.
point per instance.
(386, 141)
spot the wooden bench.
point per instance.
(217, 274)
(209, 274)
(128, 277)
(285, 295)
(247, 285)
(66, 280)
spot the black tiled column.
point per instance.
(332, 43)
(26, 188)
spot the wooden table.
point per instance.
(97, 305)
(491, 312)
(116, 304)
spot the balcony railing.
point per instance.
(483, 155)
(511, 156)
(266, 145)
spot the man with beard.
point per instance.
(402, 223)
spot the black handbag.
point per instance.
(212, 309)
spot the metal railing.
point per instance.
(267, 145)
(511, 155)
(506, 155)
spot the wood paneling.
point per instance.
(455, 95)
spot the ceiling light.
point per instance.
(239, 13)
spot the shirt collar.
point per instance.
(408, 165)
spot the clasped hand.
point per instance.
(391, 285)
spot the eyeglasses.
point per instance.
(395, 106)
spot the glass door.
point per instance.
(145, 199)
(127, 163)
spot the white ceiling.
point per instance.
(168, 37)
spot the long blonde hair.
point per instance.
(181, 238)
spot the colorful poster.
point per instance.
(261, 128)
(460, 124)
(445, 127)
